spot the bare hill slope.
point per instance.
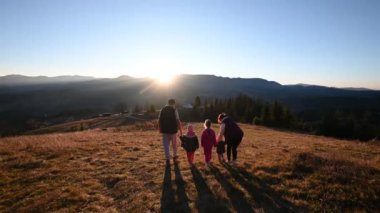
(123, 170)
(112, 120)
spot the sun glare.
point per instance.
(162, 69)
(165, 79)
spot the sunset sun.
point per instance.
(162, 69)
(165, 79)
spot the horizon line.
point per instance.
(184, 74)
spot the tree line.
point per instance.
(244, 109)
(348, 123)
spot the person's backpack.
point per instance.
(167, 120)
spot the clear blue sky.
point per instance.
(325, 42)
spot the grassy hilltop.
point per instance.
(123, 170)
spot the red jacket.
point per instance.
(208, 139)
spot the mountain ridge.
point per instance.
(58, 100)
(24, 80)
(16, 79)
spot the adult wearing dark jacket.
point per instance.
(168, 125)
(232, 134)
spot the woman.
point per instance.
(232, 133)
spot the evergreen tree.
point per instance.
(212, 113)
(230, 107)
(152, 108)
(197, 102)
(277, 114)
(120, 107)
(289, 120)
(137, 108)
(266, 115)
(248, 114)
(257, 107)
(196, 111)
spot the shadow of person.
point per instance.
(167, 196)
(183, 200)
(237, 197)
(206, 202)
(267, 199)
(169, 203)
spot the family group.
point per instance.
(230, 135)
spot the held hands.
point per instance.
(179, 135)
(180, 132)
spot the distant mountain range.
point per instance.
(23, 98)
(52, 94)
(345, 88)
(13, 80)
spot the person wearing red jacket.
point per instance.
(208, 140)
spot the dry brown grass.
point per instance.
(122, 170)
(115, 121)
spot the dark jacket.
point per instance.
(220, 147)
(232, 131)
(168, 120)
(190, 144)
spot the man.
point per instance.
(168, 125)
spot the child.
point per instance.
(190, 143)
(220, 149)
(208, 140)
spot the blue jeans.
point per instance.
(166, 138)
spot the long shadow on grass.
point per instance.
(183, 205)
(207, 202)
(168, 201)
(238, 200)
(167, 197)
(268, 200)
